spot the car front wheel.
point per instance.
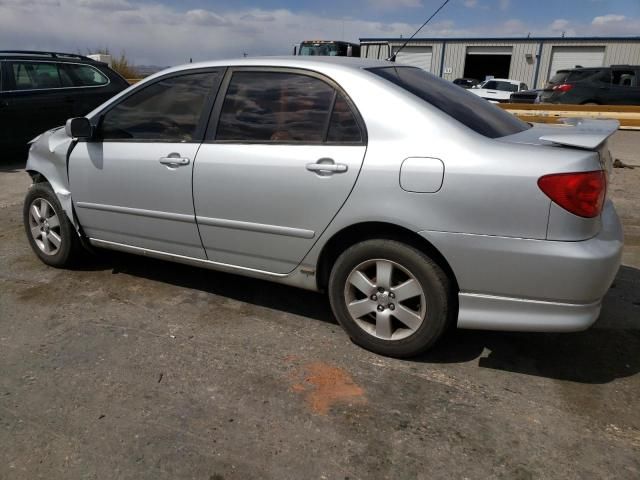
(51, 235)
(391, 298)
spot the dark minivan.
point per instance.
(41, 90)
(615, 85)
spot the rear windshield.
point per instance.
(592, 75)
(595, 74)
(476, 113)
(559, 77)
(502, 86)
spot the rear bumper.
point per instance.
(532, 285)
(485, 312)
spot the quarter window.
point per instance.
(86, 76)
(275, 107)
(39, 75)
(343, 127)
(168, 110)
(624, 78)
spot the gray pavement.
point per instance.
(131, 368)
(624, 146)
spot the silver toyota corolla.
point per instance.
(413, 203)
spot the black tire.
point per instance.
(432, 279)
(70, 247)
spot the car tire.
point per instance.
(50, 233)
(390, 297)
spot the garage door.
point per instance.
(563, 58)
(416, 57)
(489, 50)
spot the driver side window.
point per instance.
(168, 110)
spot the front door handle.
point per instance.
(326, 166)
(174, 160)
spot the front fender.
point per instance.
(48, 157)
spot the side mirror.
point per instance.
(349, 51)
(78, 127)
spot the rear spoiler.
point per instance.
(583, 133)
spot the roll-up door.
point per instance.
(416, 57)
(563, 58)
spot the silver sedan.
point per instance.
(415, 204)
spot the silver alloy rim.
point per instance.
(44, 224)
(385, 299)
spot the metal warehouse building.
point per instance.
(530, 60)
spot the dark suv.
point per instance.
(615, 85)
(41, 90)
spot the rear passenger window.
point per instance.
(274, 107)
(39, 75)
(343, 127)
(168, 110)
(86, 75)
(624, 78)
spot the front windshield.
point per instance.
(320, 50)
(476, 113)
(498, 85)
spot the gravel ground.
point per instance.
(132, 368)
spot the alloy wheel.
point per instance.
(385, 299)
(44, 225)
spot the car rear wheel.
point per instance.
(51, 235)
(391, 298)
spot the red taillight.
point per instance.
(580, 193)
(565, 87)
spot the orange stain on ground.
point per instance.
(325, 385)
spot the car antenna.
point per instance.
(392, 58)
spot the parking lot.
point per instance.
(133, 368)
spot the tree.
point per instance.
(119, 64)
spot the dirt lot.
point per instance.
(132, 368)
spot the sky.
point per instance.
(170, 32)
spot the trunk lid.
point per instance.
(579, 133)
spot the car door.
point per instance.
(282, 154)
(132, 185)
(34, 99)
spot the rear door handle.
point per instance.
(327, 166)
(174, 160)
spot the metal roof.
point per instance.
(503, 39)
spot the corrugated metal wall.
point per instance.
(523, 57)
(381, 51)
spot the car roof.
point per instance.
(504, 80)
(583, 69)
(42, 55)
(297, 61)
